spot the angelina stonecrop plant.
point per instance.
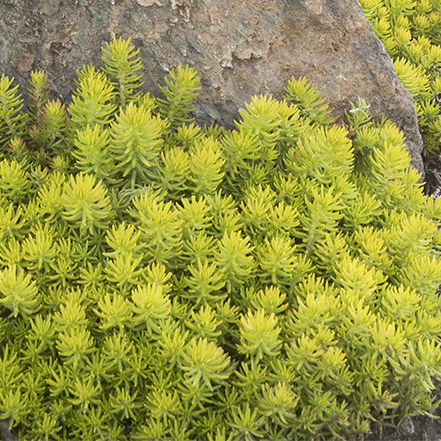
(410, 31)
(164, 281)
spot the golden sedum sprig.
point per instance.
(186, 135)
(214, 423)
(172, 339)
(429, 120)
(323, 156)
(333, 249)
(415, 233)
(53, 125)
(387, 347)
(413, 239)
(322, 215)
(259, 335)
(204, 324)
(180, 93)
(204, 363)
(318, 307)
(14, 180)
(74, 346)
(246, 423)
(261, 119)
(226, 217)
(357, 282)
(124, 403)
(357, 117)
(206, 167)
(49, 197)
(122, 68)
(18, 292)
(93, 154)
(214, 130)
(241, 150)
(17, 149)
(12, 223)
(271, 300)
(162, 406)
(13, 406)
(279, 263)
(173, 169)
(86, 204)
(422, 275)
(172, 173)
(234, 259)
(157, 274)
(114, 311)
(412, 78)
(160, 227)
(91, 103)
(123, 240)
(46, 426)
(64, 267)
(150, 306)
(292, 124)
(363, 211)
(268, 128)
(148, 101)
(38, 94)
(371, 244)
(125, 271)
(256, 206)
(383, 167)
(309, 101)
(195, 214)
(70, 315)
(39, 248)
(12, 121)
(124, 266)
(47, 119)
(136, 140)
(205, 283)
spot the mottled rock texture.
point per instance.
(239, 47)
(5, 433)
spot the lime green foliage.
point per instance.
(92, 101)
(135, 143)
(19, 293)
(45, 126)
(12, 120)
(308, 101)
(85, 203)
(123, 70)
(180, 93)
(160, 280)
(410, 31)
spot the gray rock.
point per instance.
(5, 433)
(239, 48)
(407, 427)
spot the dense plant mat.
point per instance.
(163, 281)
(411, 33)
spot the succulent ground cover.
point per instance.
(410, 31)
(160, 280)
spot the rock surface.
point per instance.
(5, 433)
(239, 48)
